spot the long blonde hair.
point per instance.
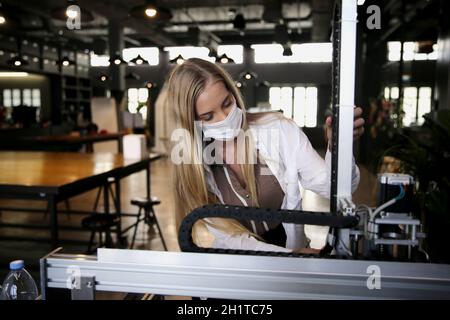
(185, 83)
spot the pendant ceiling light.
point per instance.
(248, 75)
(178, 59)
(65, 62)
(117, 60)
(151, 11)
(17, 61)
(139, 60)
(224, 59)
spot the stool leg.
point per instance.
(97, 198)
(108, 240)
(100, 244)
(67, 207)
(91, 242)
(112, 194)
(159, 229)
(135, 228)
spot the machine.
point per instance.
(370, 253)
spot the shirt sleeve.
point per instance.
(224, 240)
(315, 172)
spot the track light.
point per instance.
(2, 16)
(139, 60)
(281, 34)
(103, 78)
(17, 61)
(150, 85)
(239, 22)
(117, 60)
(178, 60)
(238, 84)
(287, 51)
(224, 59)
(213, 54)
(151, 11)
(65, 61)
(248, 75)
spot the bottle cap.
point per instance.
(16, 265)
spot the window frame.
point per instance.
(292, 112)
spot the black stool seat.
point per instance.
(100, 222)
(145, 202)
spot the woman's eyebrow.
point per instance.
(223, 104)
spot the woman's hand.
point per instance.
(358, 126)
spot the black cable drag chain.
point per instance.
(258, 214)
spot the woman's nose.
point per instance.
(222, 115)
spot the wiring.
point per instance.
(389, 203)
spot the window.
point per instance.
(424, 105)
(99, 60)
(410, 51)
(25, 97)
(298, 103)
(136, 97)
(391, 93)
(305, 106)
(16, 97)
(151, 54)
(303, 53)
(416, 103)
(409, 106)
(7, 98)
(36, 97)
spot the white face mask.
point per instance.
(226, 129)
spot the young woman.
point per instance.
(233, 157)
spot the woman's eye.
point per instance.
(207, 117)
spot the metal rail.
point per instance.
(241, 277)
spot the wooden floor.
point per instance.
(147, 239)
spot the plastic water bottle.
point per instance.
(19, 284)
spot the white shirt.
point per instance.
(291, 158)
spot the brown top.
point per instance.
(270, 194)
(56, 168)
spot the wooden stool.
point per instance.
(146, 205)
(101, 223)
